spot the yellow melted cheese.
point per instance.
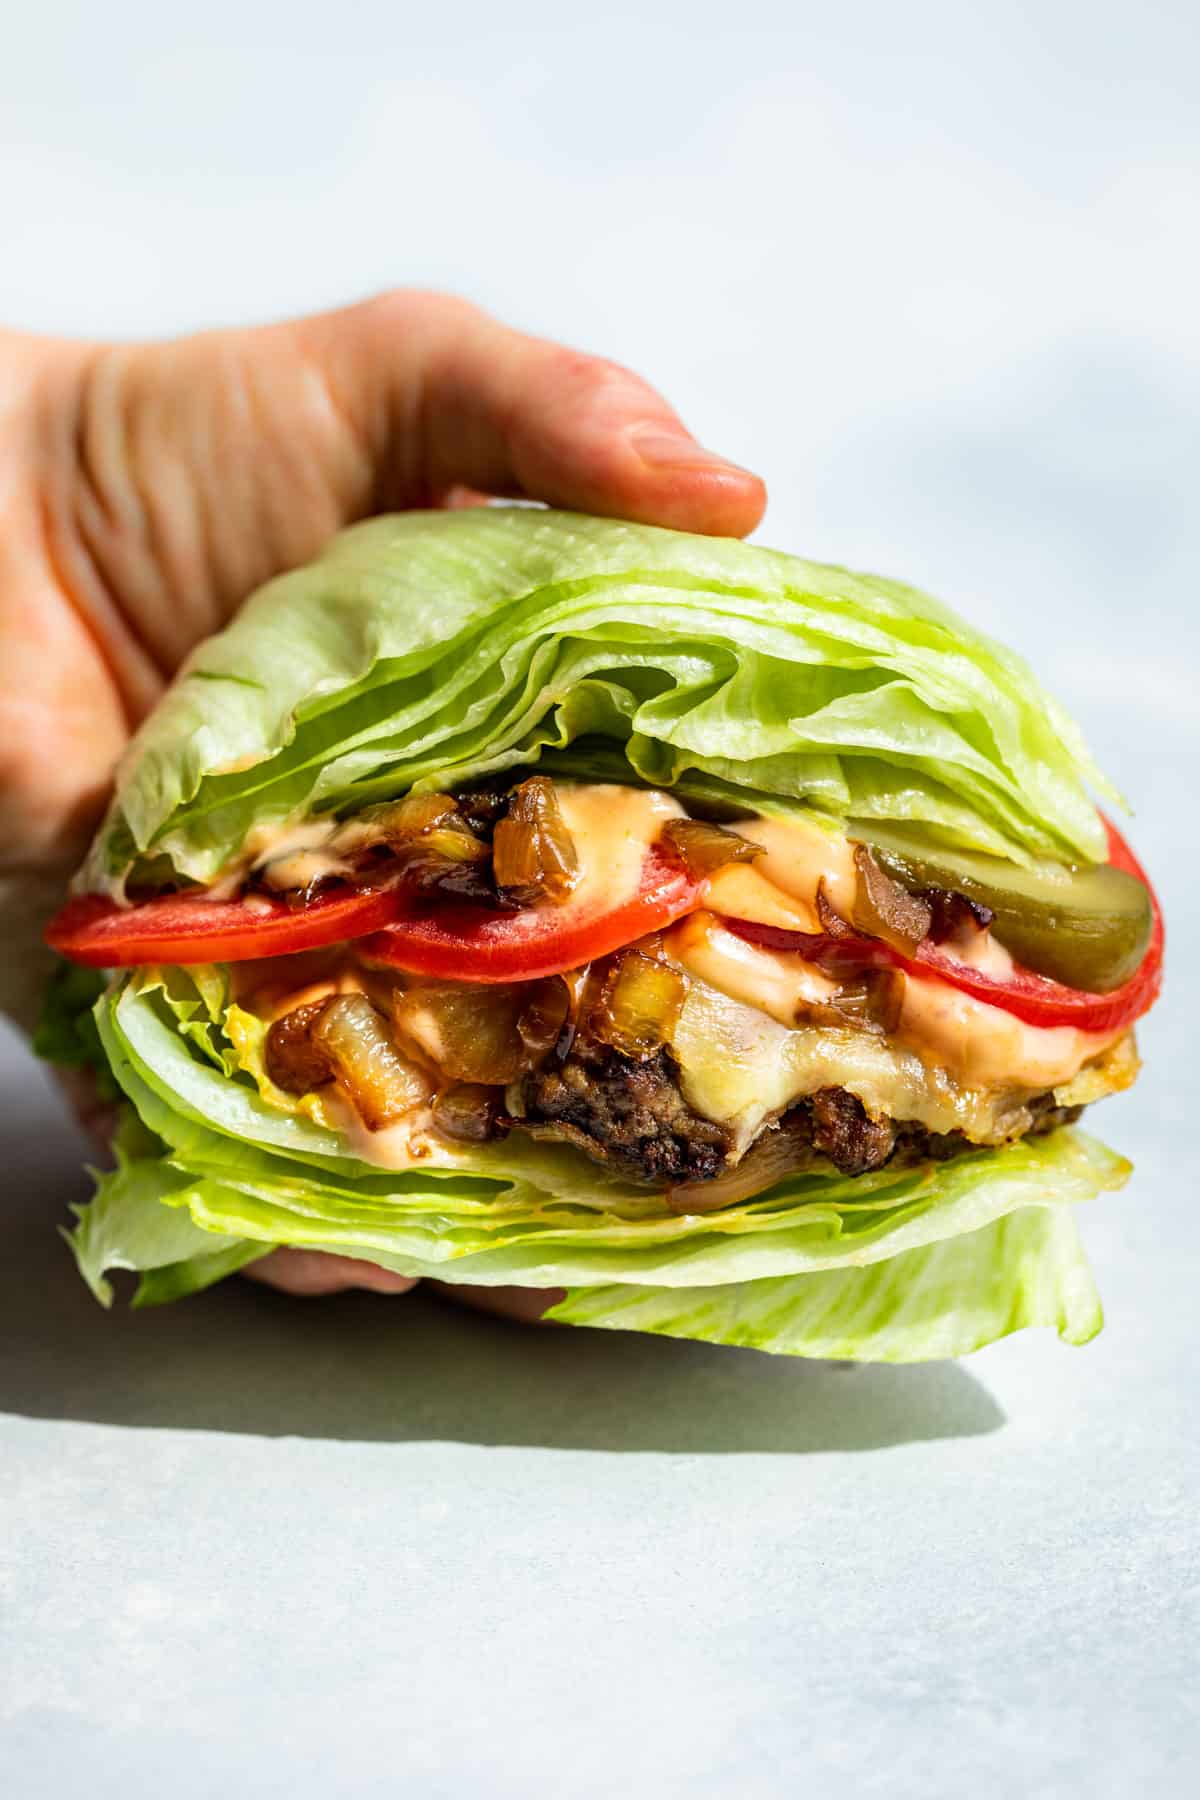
(742, 1068)
(952, 1063)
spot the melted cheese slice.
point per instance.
(742, 1068)
(952, 1063)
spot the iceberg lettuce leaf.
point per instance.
(127, 1226)
(434, 647)
(943, 1299)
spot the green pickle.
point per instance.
(1086, 926)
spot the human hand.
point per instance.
(146, 489)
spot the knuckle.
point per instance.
(402, 309)
(594, 378)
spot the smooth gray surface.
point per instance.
(934, 270)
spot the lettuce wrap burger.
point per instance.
(518, 897)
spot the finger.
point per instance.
(311, 1273)
(446, 396)
(459, 498)
(526, 1305)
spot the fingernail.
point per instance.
(674, 450)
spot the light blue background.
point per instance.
(934, 270)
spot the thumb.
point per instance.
(202, 467)
(447, 396)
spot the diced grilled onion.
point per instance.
(450, 860)
(490, 1033)
(382, 1084)
(467, 1112)
(534, 855)
(638, 1004)
(954, 915)
(294, 1060)
(885, 910)
(410, 817)
(547, 1008)
(703, 847)
(776, 1154)
(871, 1000)
(832, 922)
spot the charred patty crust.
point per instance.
(632, 1117)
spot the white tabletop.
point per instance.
(940, 282)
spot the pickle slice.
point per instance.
(1086, 926)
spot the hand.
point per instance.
(146, 489)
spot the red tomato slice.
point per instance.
(469, 943)
(1034, 998)
(187, 928)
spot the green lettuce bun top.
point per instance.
(432, 648)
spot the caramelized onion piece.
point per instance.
(832, 922)
(776, 1154)
(403, 819)
(468, 1112)
(703, 847)
(382, 1084)
(479, 1033)
(869, 1001)
(449, 860)
(548, 1006)
(426, 842)
(534, 855)
(582, 987)
(885, 910)
(467, 1030)
(481, 811)
(294, 1060)
(455, 842)
(638, 1004)
(303, 872)
(885, 990)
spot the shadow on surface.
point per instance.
(374, 1368)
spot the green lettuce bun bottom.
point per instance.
(216, 1168)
